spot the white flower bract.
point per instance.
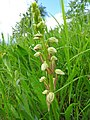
(40, 24)
(44, 66)
(45, 92)
(37, 47)
(42, 79)
(53, 39)
(60, 72)
(53, 58)
(37, 54)
(50, 97)
(36, 38)
(52, 50)
(38, 35)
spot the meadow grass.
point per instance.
(21, 95)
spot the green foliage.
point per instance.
(20, 90)
(68, 111)
(78, 8)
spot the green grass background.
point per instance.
(21, 95)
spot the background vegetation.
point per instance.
(21, 95)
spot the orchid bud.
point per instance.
(34, 26)
(34, 5)
(39, 18)
(40, 24)
(37, 11)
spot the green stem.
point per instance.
(66, 37)
(54, 104)
(51, 82)
(45, 55)
(55, 109)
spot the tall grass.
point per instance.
(21, 95)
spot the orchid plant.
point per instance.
(47, 53)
